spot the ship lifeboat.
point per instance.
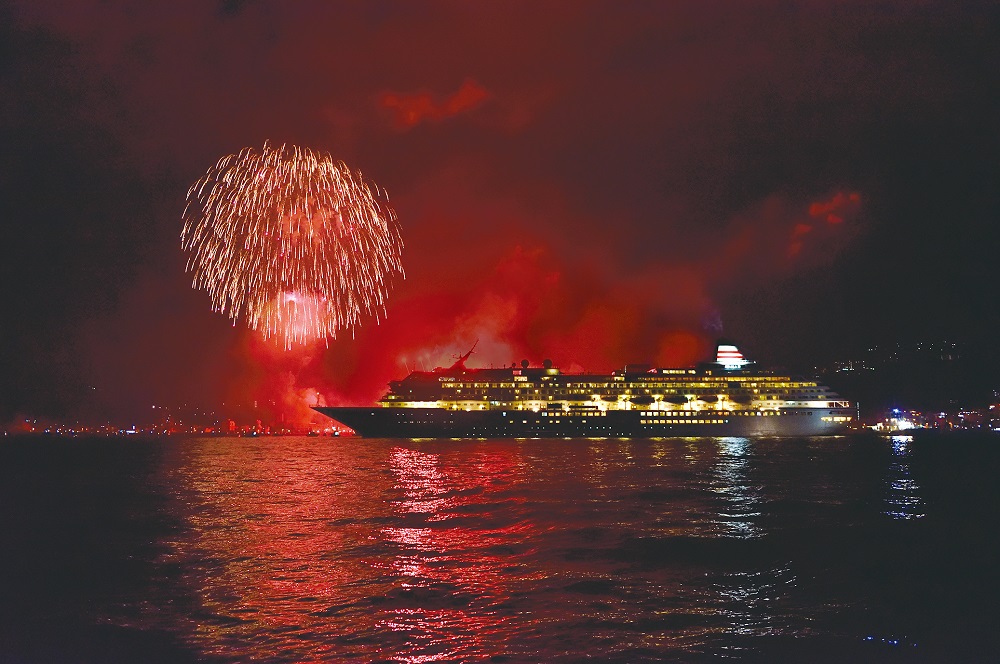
(708, 398)
(679, 399)
(643, 400)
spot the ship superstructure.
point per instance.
(721, 398)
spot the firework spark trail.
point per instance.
(292, 241)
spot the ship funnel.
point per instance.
(730, 357)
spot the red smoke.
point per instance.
(410, 110)
(529, 306)
(528, 302)
(836, 206)
(778, 236)
(834, 211)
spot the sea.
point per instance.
(861, 548)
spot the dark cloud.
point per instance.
(575, 180)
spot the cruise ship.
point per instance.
(724, 397)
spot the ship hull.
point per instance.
(444, 423)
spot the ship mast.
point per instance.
(460, 360)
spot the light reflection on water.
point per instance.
(266, 549)
(903, 499)
(321, 549)
(737, 517)
(451, 557)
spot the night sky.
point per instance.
(591, 182)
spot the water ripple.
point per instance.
(318, 549)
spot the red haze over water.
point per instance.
(527, 302)
(595, 183)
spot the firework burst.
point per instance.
(292, 241)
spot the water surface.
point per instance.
(329, 549)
